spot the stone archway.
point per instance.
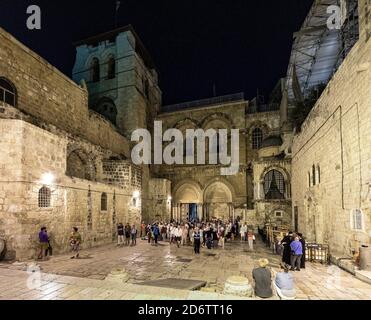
(218, 201)
(187, 201)
(79, 165)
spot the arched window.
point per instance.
(313, 175)
(95, 70)
(111, 68)
(274, 185)
(44, 197)
(318, 173)
(257, 138)
(103, 202)
(7, 92)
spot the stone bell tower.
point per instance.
(120, 77)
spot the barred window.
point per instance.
(103, 202)
(7, 92)
(274, 185)
(44, 197)
(257, 138)
(357, 219)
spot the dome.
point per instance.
(272, 141)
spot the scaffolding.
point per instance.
(318, 51)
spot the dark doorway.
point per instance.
(192, 212)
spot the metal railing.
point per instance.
(205, 102)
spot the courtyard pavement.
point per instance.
(85, 278)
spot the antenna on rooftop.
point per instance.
(118, 4)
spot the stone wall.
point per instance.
(335, 141)
(28, 153)
(48, 95)
(160, 200)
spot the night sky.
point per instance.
(240, 45)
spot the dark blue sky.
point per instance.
(240, 45)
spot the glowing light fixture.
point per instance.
(136, 194)
(47, 178)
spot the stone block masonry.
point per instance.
(332, 157)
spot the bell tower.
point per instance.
(121, 79)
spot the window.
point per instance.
(356, 219)
(95, 70)
(103, 202)
(274, 185)
(309, 180)
(111, 70)
(257, 138)
(318, 174)
(313, 175)
(44, 197)
(7, 92)
(278, 214)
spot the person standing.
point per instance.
(243, 232)
(156, 233)
(263, 280)
(286, 255)
(221, 236)
(250, 239)
(49, 250)
(197, 240)
(163, 232)
(178, 236)
(133, 234)
(127, 234)
(142, 230)
(296, 253)
(43, 241)
(149, 233)
(120, 234)
(302, 260)
(75, 241)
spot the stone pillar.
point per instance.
(199, 211)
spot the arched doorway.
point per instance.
(218, 201)
(187, 202)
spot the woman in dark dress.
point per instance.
(286, 241)
(302, 240)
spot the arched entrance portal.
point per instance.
(218, 201)
(187, 202)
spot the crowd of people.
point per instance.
(210, 235)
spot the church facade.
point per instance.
(66, 150)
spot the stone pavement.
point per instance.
(65, 278)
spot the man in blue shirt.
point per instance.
(296, 253)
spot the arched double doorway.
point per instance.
(194, 203)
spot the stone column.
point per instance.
(199, 211)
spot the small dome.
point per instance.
(271, 141)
